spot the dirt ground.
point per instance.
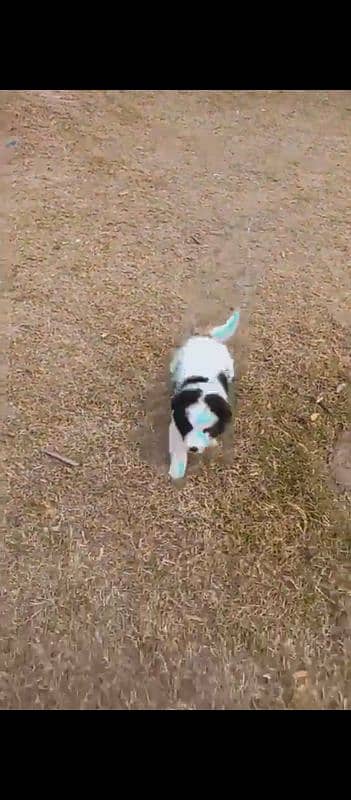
(131, 217)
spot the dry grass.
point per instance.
(117, 589)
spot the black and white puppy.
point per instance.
(201, 372)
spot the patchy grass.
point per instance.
(137, 215)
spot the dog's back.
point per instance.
(203, 356)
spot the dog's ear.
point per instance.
(180, 402)
(223, 380)
(221, 409)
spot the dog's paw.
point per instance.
(177, 469)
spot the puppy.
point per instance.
(201, 372)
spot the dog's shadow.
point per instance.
(151, 434)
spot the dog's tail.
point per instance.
(226, 331)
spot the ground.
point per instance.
(133, 217)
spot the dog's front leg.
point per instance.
(230, 372)
(178, 453)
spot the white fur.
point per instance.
(202, 355)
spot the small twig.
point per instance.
(328, 599)
(195, 239)
(324, 407)
(319, 402)
(63, 459)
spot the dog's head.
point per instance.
(190, 405)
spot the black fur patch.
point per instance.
(222, 410)
(194, 379)
(223, 380)
(180, 402)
